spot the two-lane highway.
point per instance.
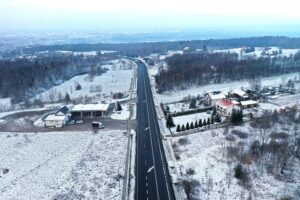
(152, 177)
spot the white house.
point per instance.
(212, 98)
(58, 119)
(224, 107)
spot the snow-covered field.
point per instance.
(205, 153)
(62, 165)
(116, 79)
(177, 95)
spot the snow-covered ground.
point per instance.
(62, 165)
(176, 95)
(259, 50)
(5, 104)
(123, 114)
(205, 153)
(116, 79)
(182, 120)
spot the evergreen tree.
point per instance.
(217, 118)
(170, 122)
(193, 103)
(204, 122)
(200, 123)
(178, 128)
(236, 116)
(238, 171)
(78, 87)
(192, 125)
(67, 98)
(208, 121)
(196, 124)
(182, 128)
(187, 126)
(212, 120)
(214, 111)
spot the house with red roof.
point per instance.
(224, 107)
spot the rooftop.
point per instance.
(238, 92)
(217, 96)
(249, 102)
(55, 118)
(224, 103)
(90, 107)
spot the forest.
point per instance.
(203, 68)
(22, 78)
(146, 48)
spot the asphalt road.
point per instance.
(152, 177)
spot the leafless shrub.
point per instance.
(280, 135)
(177, 156)
(190, 171)
(183, 141)
(240, 134)
(230, 138)
(191, 188)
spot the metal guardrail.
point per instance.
(129, 145)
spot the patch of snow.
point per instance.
(68, 165)
(123, 114)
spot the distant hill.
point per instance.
(146, 48)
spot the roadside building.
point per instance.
(224, 107)
(91, 110)
(58, 119)
(249, 104)
(212, 98)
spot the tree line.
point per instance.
(22, 78)
(146, 48)
(185, 70)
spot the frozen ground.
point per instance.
(116, 79)
(123, 114)
(205, 153)
(62, 165)
(176, 95)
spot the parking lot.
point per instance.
(23, 122)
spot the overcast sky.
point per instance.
(130, 15)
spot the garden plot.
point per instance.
(62, 165)
(183, 120)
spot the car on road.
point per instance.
(97, 125)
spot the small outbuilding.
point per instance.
(58, 118)
(249, 104)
